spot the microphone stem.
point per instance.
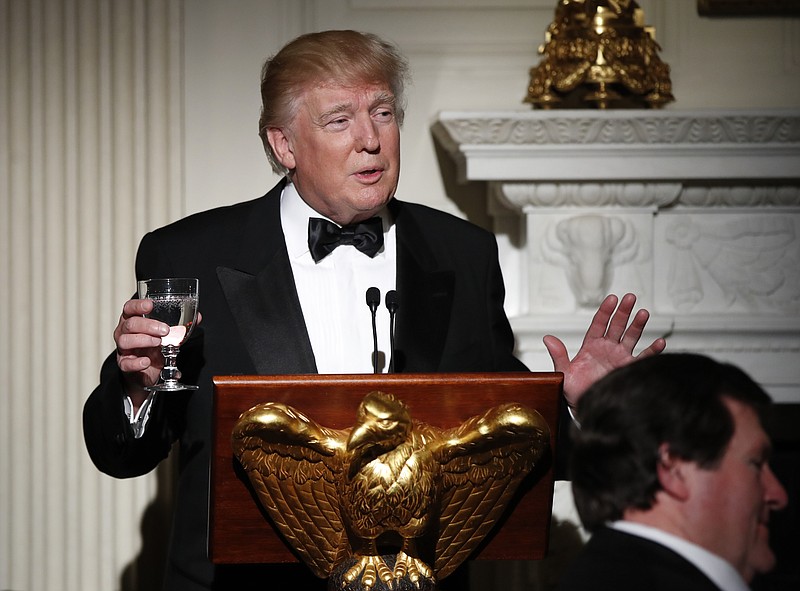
(391, 341)
(391, 305)
(374, 345)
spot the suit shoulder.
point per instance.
(434, 220)
(214, 220)
(617, 561)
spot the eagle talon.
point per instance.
(411, 568)
(370, 568)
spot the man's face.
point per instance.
(736, 498)
(343, 150)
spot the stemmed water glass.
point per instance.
(175, 304)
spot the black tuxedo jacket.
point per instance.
(450, 319)
(617, 561)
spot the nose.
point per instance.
(774, 493)
(366, 136)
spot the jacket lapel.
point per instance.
(262, 297)
(425, 297)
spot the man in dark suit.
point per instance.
(279, 296)
(670, 472)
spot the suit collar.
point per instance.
(262, 235)
(261, 295)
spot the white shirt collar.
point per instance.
(716, 568)
(295, 214)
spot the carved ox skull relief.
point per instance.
(588, 247)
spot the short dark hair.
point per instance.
(675, 399)
(349, 58)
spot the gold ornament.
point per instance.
(342, 497)
(598, 53)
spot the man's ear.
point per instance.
(673, 473)
(282, 146)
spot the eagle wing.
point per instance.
(483, 461)
(293, 464)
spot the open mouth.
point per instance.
(369, 174)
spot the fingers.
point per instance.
(655, 348)
(133, 322)
(132, 363)
(139, 335)
(136, 307)
(599, 325)
(633, 333)
(611, 322)
(558, 352)
(138, 339)
(619, 321)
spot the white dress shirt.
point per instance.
(333, 291)
(716, 568)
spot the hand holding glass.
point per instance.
(175, 304)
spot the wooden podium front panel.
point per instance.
(241, 532)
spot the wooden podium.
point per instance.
(240, 531)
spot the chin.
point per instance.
(761, 560)
(374, 200)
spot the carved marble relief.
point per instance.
(647, 128)
(588, 247)
(732, 263)
(587, 255)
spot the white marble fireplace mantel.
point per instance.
(698, 213)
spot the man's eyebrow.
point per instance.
(384, 97)
(334, 110)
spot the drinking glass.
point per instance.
(175, 304)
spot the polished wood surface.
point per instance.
(240, 532)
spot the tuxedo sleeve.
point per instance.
(107, 431)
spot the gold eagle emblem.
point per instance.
(340, 497)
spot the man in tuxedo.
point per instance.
(670, 472)
(283, 281)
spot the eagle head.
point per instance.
(383, 423)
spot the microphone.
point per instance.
(392, 305)
(373, 300)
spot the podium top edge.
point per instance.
(397, 378)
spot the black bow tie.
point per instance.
(324, 236)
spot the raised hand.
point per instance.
(609, 343)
